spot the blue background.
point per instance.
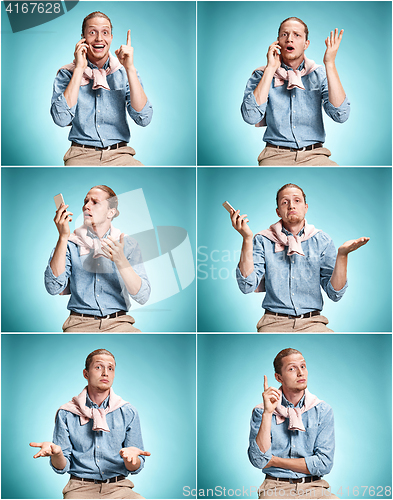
(346, 203)
(155, 373)
(233, 39)
(28, 210)
(352, 373)
(163, 36)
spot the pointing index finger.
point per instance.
(265, 384)
(129, 38)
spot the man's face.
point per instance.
(291, 206)
(101, 372)
(294, 373)
(292, 40)
(98, 37)
(96, 209)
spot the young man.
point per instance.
(287, 96)
(92, 95)
(291, 261)
(98, 265)
(97, 437)
(292, 434)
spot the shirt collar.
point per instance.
(287, 233)
(285, 402)
(93, 66)
(91, 404)
(288, 68)
(92, 234)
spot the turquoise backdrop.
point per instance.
(155, 373)
(346, 203)
(163, 37)
(352, 373)
(233, 39)
(28, 210)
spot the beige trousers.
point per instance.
(121, 157)
(80, 324)
(270, 323)
(82, 489)
(283, 157)
(282, 489)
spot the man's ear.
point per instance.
(278, 377)
(86, 374)
(306, 209)
(306, 44)
(111, 213)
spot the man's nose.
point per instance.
(98, 36)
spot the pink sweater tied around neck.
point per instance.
(77, 406)
(97, 75)
(294, 415)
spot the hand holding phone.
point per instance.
(62, 217)
(239, 222)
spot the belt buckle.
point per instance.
(102, 317)
(303, 148)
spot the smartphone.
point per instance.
(58, 200)
(228, 206)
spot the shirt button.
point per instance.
(99, 95)
(97, 295)
(98, 126)
(99, 280)
(99, 111)
(292, 294)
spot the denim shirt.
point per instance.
(293, 117)
(293, 283)
(315, 445)
(95, 454)
(95, 284)
(99, 118)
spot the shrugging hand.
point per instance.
(332, 43)
(131, 454)
(48, 449)
(351, 245)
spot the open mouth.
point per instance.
(290, 48)
(98, 46)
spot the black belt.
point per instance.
(107, 148)
(306, 315)
(100, 481)
(305, 148)
(113, 315)
(308, 479)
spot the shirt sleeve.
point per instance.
(251, 282)
(251, 112)
(142, 117)
(339, 114)
(61, 113)
(321, 462)
(255, 455)
(134, 436)
(134, 257)
(328, 260)
(56, 284)
(61, 437)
